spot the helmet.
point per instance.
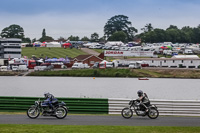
(140, 93)
(46, 94)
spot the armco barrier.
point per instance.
(165, 107)
(76, 105)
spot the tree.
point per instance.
(172, 27)
(119, 23)
(147, 28)
(13, 31)
(85, 39)
(118, 36)
(43, 33)
(61, 39)
(26, 40)
(73, 38)
(95, 37)
(34, 40)
(44, 37)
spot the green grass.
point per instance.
(151, 73)
(10, 128)
(51, 52)
(99, 50)
(9, 73)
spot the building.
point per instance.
(86, 59)
(167, 62)
(10, 48)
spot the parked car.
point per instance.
(22, 68)
(48, 68)
(80, 66)
(40, 68)
(96, 65)
(135, 64)
(15, 68)
(115, 48)
(3, 68)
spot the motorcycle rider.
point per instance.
(144, 100)
(49, 100)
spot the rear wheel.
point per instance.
(33, 112)
(61, 112)
(127, 113)
(153, 113)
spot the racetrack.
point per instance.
(116, 120)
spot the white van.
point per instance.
(79, 66)
(22, 68)
(135, 64)
(15, 68)
(3, 68)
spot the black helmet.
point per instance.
(140, 93)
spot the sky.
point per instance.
(62, 18)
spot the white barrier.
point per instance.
(165, 107)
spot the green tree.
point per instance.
(85, 39)
(118, 36)
(95, 37)
(119, 23)
(26, 40)
(147, 28)
(13, 31)
(43, 33)
(172, 27)
(73, 38)
(44, 37)
(34, 40)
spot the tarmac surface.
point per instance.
(114, 120)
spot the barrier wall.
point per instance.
(165, 107)
(103, 106)
(76, 105)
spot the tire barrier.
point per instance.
(165, 107)
(76, 105)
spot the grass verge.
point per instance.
(151, 73)
(5, 128)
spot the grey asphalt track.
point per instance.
(102, 120)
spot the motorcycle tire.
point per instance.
(153, 113)
(127, 113)
(60, 110)
(33, 112)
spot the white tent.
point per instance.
(53, 44)
(116, 43)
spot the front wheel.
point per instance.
(33, 112)
(127, 113)
(153, 113)
(61, 112)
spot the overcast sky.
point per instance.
(84, 17)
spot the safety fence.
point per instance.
(103, 106)
(76, 105)
(165, 107)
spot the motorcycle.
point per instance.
(151, 111)
(59, 110)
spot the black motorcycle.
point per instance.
(59, 110)
(151, 111)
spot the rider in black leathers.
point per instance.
(144, 100)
